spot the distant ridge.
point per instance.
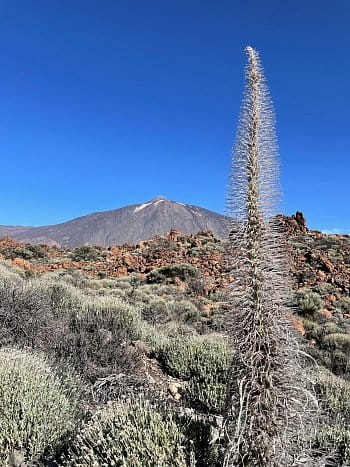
(129, 224)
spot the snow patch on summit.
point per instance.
(143, 206)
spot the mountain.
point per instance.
(9, 230)
(129, 224)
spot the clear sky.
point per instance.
(105, 103)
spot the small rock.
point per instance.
(174, 390)
(17, 458)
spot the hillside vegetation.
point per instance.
(118, 356)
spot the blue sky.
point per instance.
(111, 102)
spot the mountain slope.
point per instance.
(129, 224)
(9, 230)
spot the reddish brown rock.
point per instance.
(298, 326)
(21, 263)
(325, 312)
(9, 243)
(173, 235)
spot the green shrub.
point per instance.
(103, 283)
(330, 327)
(328, 242)
(333, 346)
(26, 252)
(85, 253)
(325, 288)
(182, 271)
(91, 332)
(340, 362)
(132, 433)
(219, 296)
(158, 310)
(298, 245)
(9, 272)
(318, 331)
(335, 439)
(203, 363)
(333, 392)
(185, 311)
(62, 298)
(307, 274)
(19, 252)
(161, 289)
(25, 315)
(337, 342)
(97, 337)
(38, 251)
(334, 396)
(318, 355)
(38, 406)
(71, 277)
(308, 301)
(343, 304)
(337, 347)
(123, 285)
(154, 309)
(313, 330)
(196, 252)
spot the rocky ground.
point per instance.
(317, 259)
(147, 318)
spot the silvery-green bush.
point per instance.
(309, 301)
(131, 433)
(202, 362)
(38, 406)
(334, 396)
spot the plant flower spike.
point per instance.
(266, 395)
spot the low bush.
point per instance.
(313, 330)
(85, 253)
(103, 283)
(38, 406)
(63, 299)
(71, 277)
(328, 242)
(330, 327)
(337, 341)
(131, 433)
(332, 346)
(203, 363)
(334, 393)
(25, 315)
(26, 252)
(305, 275)
(97, 337)
(91, 332)
(336, 440)
(325, 288)
(320, 357)
(158, 310)
(182, 271)
(153, 309)
(9, 272)
(308, 301)
(318, 331)
(185, 311)
(334, 396)
(343, 304)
